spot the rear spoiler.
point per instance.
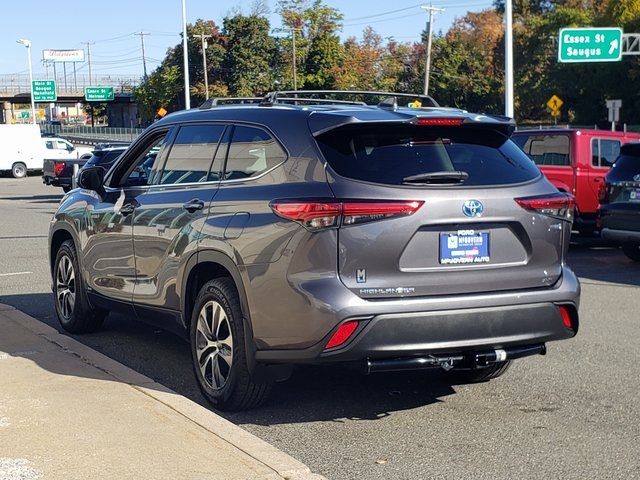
(322, 122)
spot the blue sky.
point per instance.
(111, 24)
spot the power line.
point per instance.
(382, 14)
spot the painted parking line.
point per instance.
(14, 273)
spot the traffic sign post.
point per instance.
(578, 45)
(44, 91)
(98, 94)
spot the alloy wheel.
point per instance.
(65, 287)
(214, 345)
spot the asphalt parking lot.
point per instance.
(571, 414)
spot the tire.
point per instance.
(72, 307)
(485, 374)
(19, 170)
(66, 189)
(218, 349)
(632, 250)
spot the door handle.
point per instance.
(127, 209)
(193, 205)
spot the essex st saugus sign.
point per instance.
(576, 45)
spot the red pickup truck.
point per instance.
(575, 161)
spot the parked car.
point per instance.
(275, 234)
(620, 202)
(20, 149)
(104, 157)
(575, 161)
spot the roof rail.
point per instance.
(214, 102)
(389, 99)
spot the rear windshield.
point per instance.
(625, 168)
(390, 154)
(545, 149)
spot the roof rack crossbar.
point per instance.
(273, 97)
(215, 101)
(317, 100)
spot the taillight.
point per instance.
(603, 192)
(439, 122)
(558, 205)
(317, 215)
(569, 317)
(58, 167)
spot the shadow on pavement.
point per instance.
(37, 198)
(592, 258)
(312, 394)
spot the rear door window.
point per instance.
(604, 152)
(389, 154)
(549, 150)
(252, 151)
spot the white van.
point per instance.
(20, 149)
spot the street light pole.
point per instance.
(427, 70)
(185, 54)
(508, 59)
(203, 39)
(27, 43)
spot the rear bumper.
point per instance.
(620, 236)
(56, 181)
(386, 334)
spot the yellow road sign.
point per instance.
(554, 103)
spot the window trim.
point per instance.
(599, 139)
(233, 125)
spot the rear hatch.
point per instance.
(621, 196)
(467, 211)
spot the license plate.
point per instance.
(634, 195)
(464, 246)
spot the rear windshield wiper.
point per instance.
(447, 176)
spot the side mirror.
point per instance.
(91, 178)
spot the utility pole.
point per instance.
(427, 70)
(203, 39)
(144, 58)
(88, 44)
(185, 55)
(508, 59)
(295, 67)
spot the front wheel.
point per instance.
(484, 374)
(74, 311)
(632, 250)
(19, 170)
(218, 349)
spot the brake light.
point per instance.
(558, 205)
(342, 334)
(58, 167)
(603, 192)
(439, 122)
(318, 215)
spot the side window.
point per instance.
(252, 151)
(604, 152)
(191, 154)
(49, 144)
(61, 145)
(145, 170)
(547, 149)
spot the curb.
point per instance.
(283, 464)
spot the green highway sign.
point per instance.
(44, 91)
(576, 45)
(98, 94)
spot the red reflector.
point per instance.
(342, 334)
(439, 122)
(58, 167)
(565, 313)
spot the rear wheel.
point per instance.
(484, 374)
(218, 349)
(74, 311)
(19, 170)
(632, 250)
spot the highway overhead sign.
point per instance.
(554, 103)
(577, 45)
(98, 94)
(44, 91)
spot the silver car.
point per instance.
(299, 230)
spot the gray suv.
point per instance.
(305, 229)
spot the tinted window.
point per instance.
(389, 154)
(49, 144)
(252, 151)
(625, 168)
(545, 149)
(604, 152)
(191, 154)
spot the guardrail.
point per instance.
(91, 135)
